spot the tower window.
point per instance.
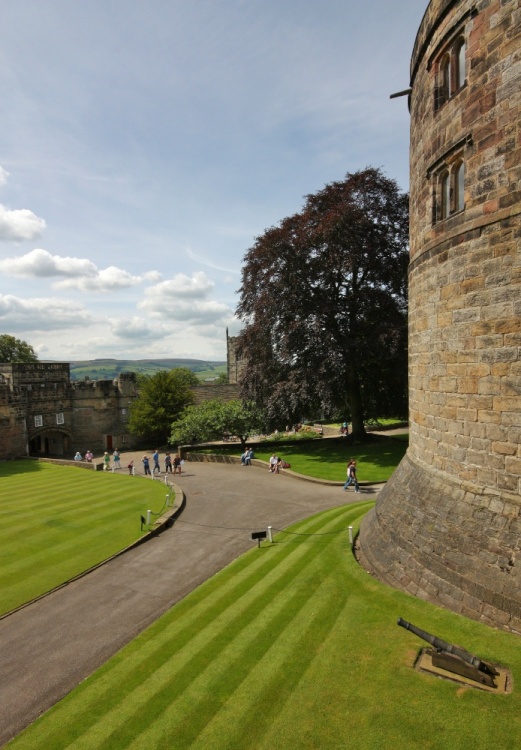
(451, 71)
(449, 189)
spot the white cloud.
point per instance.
(19, 225)
(185, 299)
(79, 273)
(39, 263)
(136, 328)
(198, 285)
(44, 314)
(3, 176)
(107, 280)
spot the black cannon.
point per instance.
(454, 658)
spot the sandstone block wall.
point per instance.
(447, 525)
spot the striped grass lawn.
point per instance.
(291, 647)
(57, 521)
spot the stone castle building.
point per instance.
(447, 527)
(44, 413)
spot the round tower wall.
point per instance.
(447, 525)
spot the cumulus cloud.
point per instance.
(185, 299)
(19, 225)
(136, 328)
(196, 286)
(39, 263)
(106, 280)
(78, 273)
(41, 314)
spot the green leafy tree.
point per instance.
(213, 419)
(16, 350)
(162, 398)
(324, 306)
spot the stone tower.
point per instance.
(447, 527)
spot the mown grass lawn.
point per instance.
(292, 646)
(327, 458)
(57, 521)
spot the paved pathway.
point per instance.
(48, 647)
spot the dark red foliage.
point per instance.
(324, 305)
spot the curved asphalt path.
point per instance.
(50, 646)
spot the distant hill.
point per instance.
(99, 369)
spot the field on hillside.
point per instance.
(57, 521)
(292, 646)
(102, 369)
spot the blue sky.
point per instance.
(144, 146)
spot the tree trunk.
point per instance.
(355, 401)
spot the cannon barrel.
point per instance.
(449, 648)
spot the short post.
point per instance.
(149, 517)
(351, 536)
(166, 479)
(258, 535)
(167, 501)
(133, 471)
(270, 538)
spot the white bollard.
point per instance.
(270, 538)
(351, 536)
(166, 482)
(149, 516)
(133, 471)
(167, 501)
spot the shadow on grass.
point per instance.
(19, 466)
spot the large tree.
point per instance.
(213, 419)
(324, 306)
(162, 397)
(16, 350)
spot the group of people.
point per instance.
(247, 457)
(277, 463)
(88, 456)
(172, 464)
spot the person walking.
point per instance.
(168, 463)
(156, 461)
(351, 475)
(117, 459)
(106, 461)
(177, 464)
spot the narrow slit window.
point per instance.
(460, 63)
(460, 186)
(446, 78)
(445, 195)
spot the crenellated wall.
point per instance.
(446, 527)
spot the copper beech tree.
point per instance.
(324, 306)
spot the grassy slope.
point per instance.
(57, 521)
(292, 646)
(327, 458)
